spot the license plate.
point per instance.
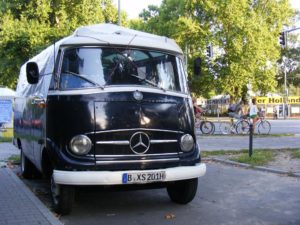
(144, 177)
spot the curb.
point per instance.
(39, 205)
(260, 168)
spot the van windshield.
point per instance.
(94, 66)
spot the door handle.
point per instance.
(38, 101)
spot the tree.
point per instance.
(244, 35)
(27, 27)
(289, 61)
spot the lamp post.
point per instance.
(283, 39)
(285, 92)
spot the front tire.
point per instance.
(264, 127)
(207, 127)
(62, 197)
(243, 127)
(184, 191)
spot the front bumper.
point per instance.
(115, 177)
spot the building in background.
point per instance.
(275, 104)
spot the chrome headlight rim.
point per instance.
(80, 150)
(187, 143)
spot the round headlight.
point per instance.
(80, 144)
(186, 143)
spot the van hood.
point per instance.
(124, 110)
(118, 113)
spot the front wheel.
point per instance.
(207, 127)
(183, 191)
(62, 197)
(243, 127)
(264, 127)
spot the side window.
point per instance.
(55, 70)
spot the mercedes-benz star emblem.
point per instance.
(139, 143)
(138, 95)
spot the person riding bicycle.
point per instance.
(253, 112)
(238, 110)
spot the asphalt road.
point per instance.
(285, 126)
(226, 195)
(237, 142)
(277, 126)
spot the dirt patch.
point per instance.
(283, 160)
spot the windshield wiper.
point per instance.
(147, 81)
(84, 78)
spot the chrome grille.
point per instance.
(116, 143)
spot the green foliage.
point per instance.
(290, 61)
(296, 154)
(258, 158)
(5, 139)
(244, 35)
(27, 27)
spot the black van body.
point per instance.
(133, 125)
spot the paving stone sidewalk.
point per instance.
(18, 205)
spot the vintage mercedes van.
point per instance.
(108, 106)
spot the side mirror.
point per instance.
(197, 66)
(32, 73)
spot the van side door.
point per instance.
(38, 106)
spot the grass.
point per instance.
(296, 154)
(222, 152)
(14, 159)
(274, 135)
(5, 139)
(258, 158)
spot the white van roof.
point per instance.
(111, 34)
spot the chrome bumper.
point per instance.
(115, 177)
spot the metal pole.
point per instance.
(119, 13)
(285, 80)
(285, 93)
(251, 138)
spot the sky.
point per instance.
(295, 4)
(135, 7)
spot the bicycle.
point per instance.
(263, 126)
(240, 126)
(204, 125)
